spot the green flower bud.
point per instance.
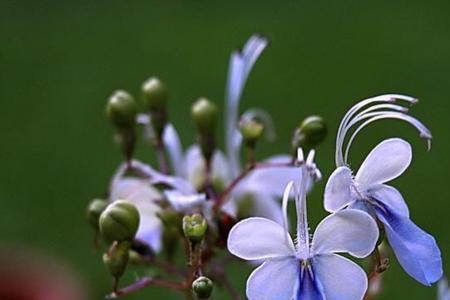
(205, 113)
(94, 210)
(119, 221)
(311, 132)
(251, 131)
(121, 110)
(116, 259)
(155, 94)
(194, 228)
(202, 287)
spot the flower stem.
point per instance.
(162, 159)
(143, 283)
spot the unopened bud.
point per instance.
(94, 210)
(155, 94)
(116, 259)
(194, 228)
(119, 221)
(203, 287)
(251, 131)
(205, 113)
(311, 132)
(121, 110)
(155, 97)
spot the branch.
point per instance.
(143, 283)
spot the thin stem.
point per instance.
(143, 283)
(378, 266)
(162, 159)
(209, 188)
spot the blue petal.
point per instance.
(310, 287)
(416, 250)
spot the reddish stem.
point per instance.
(143, 283)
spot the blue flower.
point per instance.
(416, 250)
(307, 269)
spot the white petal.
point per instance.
(341, 278)
(142, 195)
(174, 148)
(182, 202)
(386, 161)
(271, 180)
(274, 280)
(267, 206)
(259, 238)
(348, 230)
(443, 289)
(241, 63)
(194, 166)
(390, 197)
(220, 167)
(338, 189)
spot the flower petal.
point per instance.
(274, 280)
(194, 166)
(390, 197)
(443, 290)
(416, 250)
(341, 278)
(310, 287)
(267, 206)
(182, 202)
(241, 63)
(386, 161)
(259, 238)
(338, 189)
(174, 148)
(348, 230)
(141, 194)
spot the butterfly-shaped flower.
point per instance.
(305, 270)
(416, 250)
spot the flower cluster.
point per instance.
(202, 201)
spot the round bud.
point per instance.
(251, 131)
(119, 221)
(121, 110)
(194, 228)
(155, 94)
(94, 210)
(203, 287)
(116, 259)
(311, 132)
(205, 113)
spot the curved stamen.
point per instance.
(355, 115)
(286, 194)
(423, 130)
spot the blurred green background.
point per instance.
(60, 60)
